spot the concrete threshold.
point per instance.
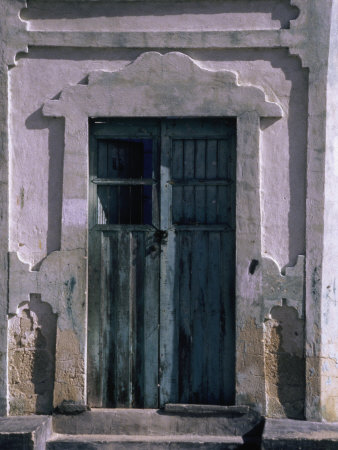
(176, 427)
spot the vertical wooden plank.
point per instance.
(184, 270)
(110, 297)
(199, 300)
(189, 159)
(211, 159)
(104, 307)
(200, 191)
(200, 157)
(211, 201)
(168, 323)
(135, 303)
(211, 173)
(122, 325)
(177, 167)
(223, 154)
(177, 163)
(151, 321)
(224, 206)
(188, 191)
(213, 319)
(138, 348)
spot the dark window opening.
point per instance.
(125, 181)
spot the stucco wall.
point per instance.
(37, 142)
(281, 47)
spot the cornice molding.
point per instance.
(13, 31)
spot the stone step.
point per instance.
(24, 432)
(139, 442)
(173, 420)
(288, 434)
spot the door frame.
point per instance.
(173, 85)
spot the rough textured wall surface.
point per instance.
(285, 363)
(31, 358)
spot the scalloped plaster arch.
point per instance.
(159, 85)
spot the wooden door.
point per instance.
(161, 262)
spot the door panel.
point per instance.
(124, 251)
(161, 262)
(197, 264)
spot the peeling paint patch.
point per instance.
(284, 363)
(250, 365)
(31, 358)
(70, 369)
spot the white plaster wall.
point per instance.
(329, 350)
(36, 143)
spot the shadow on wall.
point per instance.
(285, 363)
(32, 340)
(56, 127)
(39, 10)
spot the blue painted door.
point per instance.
(161, 262)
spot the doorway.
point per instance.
(161, 272)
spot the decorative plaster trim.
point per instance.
(153, 84)
(281, 289)
(13, 30)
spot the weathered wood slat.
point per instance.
(150, 340)
(211, 203)
(189, 172)
(200, 258)
(106, 315)
(109, 293)
(177, 171)
(189, 159)
(212, 321)
(122, 323)
(184, 269)
(168, 322)
(136, 302)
